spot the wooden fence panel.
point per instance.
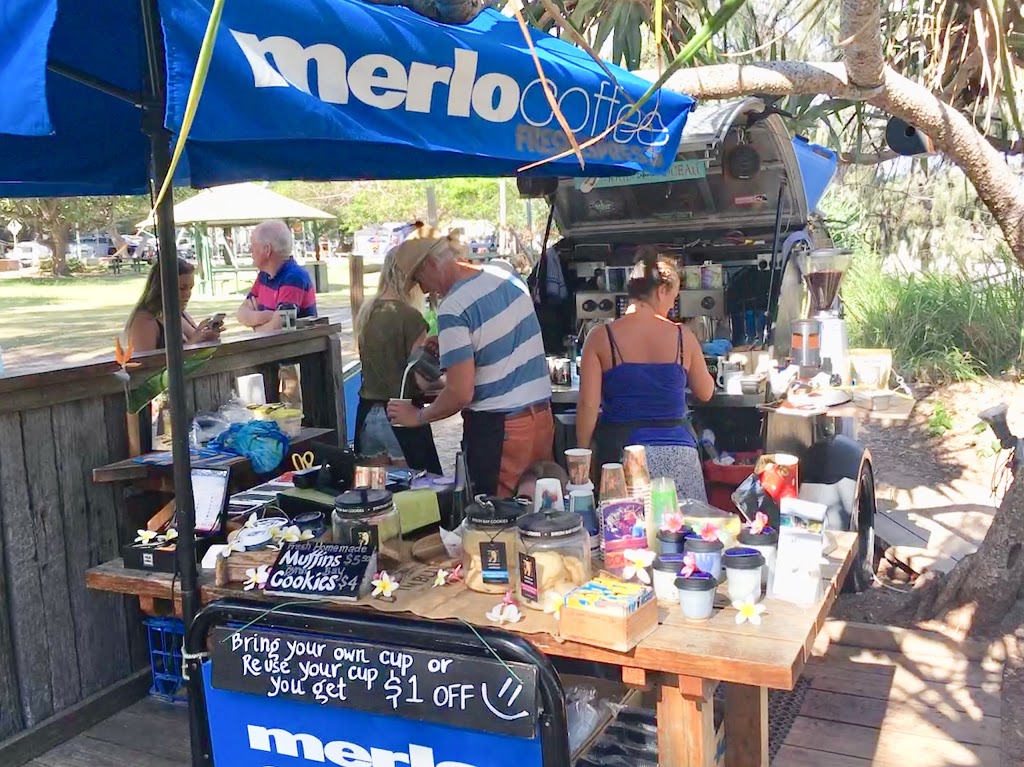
(49, 532)
(11, 719)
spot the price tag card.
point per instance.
(315, 569)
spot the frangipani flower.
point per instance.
(552, 603)
(291, 534)
(760, 524)
(171, 535)
(441, 578)
(251, 521)
(689, 566)
(503, 613)
(384, 585)
(232, 546)
(709, 532)
(146, 536)
(749, 612)
(637, 562)
(456, 574)
(256, 577)
(672, 522)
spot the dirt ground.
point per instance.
(940, 465)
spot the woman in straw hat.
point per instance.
(388, 329)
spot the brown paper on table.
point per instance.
(417, 594)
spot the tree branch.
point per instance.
(774, 78)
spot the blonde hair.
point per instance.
(394, 281)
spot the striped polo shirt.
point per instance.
(291, 285)
(489, 317)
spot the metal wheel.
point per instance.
(865, 563)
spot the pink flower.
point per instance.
(689, 566)
(672, 522)
(709, 532)
(759, 524)
(509, 598)
(456, 574)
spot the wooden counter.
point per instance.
(62, 645)
(682, 661)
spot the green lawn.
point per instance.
(47, 323)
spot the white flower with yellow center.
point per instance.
(637, 562)
(256, 577)
(441, 578)
(749, 612)
(384, 585)
(504, 613)
(146, 536)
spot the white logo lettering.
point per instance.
(341, 753)
(381, 81)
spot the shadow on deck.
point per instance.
(878, 697)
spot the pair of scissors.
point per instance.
(303, 461)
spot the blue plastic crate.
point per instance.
(166, 638)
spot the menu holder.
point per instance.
(798, 574)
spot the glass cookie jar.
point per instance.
(554, 557)
(490, 543)
(368, 518)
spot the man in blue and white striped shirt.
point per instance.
(496, 371)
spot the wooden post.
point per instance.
(686, 723)
(355, 283)
(746, 726)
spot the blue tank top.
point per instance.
(632, 392)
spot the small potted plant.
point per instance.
(759, 535)
(706, 550)
(672, 533)
(696, 590)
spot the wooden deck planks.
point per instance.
(149, 733)
(936, 704)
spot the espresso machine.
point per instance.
(820, 342)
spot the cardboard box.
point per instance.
(603, 630)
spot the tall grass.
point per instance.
(941, 327)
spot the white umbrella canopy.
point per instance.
(239, 205)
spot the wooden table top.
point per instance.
(770, 655)
(130, 469)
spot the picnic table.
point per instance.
(681, 663)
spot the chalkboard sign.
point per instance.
(456, 690)
(315, 569)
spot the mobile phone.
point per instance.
(217, 320)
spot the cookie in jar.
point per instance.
(490, 543)
(554, 557)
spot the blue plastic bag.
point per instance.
(262, 442)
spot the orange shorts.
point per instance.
(499, 447)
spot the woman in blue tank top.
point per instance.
(633, 380)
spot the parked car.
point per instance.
(31, 253)
(82, 251)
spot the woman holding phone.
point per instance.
(145, 327)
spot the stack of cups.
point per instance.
(664, 500)
(581, 493)
(547, 496)
(638, 485)
(613, 487)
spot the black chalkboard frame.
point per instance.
(440, 636)
(480, 694)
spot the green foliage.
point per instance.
(157, 384)
(940, 421)
(941, 327)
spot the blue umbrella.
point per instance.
(311, 89)
(93, 92)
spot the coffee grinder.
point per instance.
(823, 333)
